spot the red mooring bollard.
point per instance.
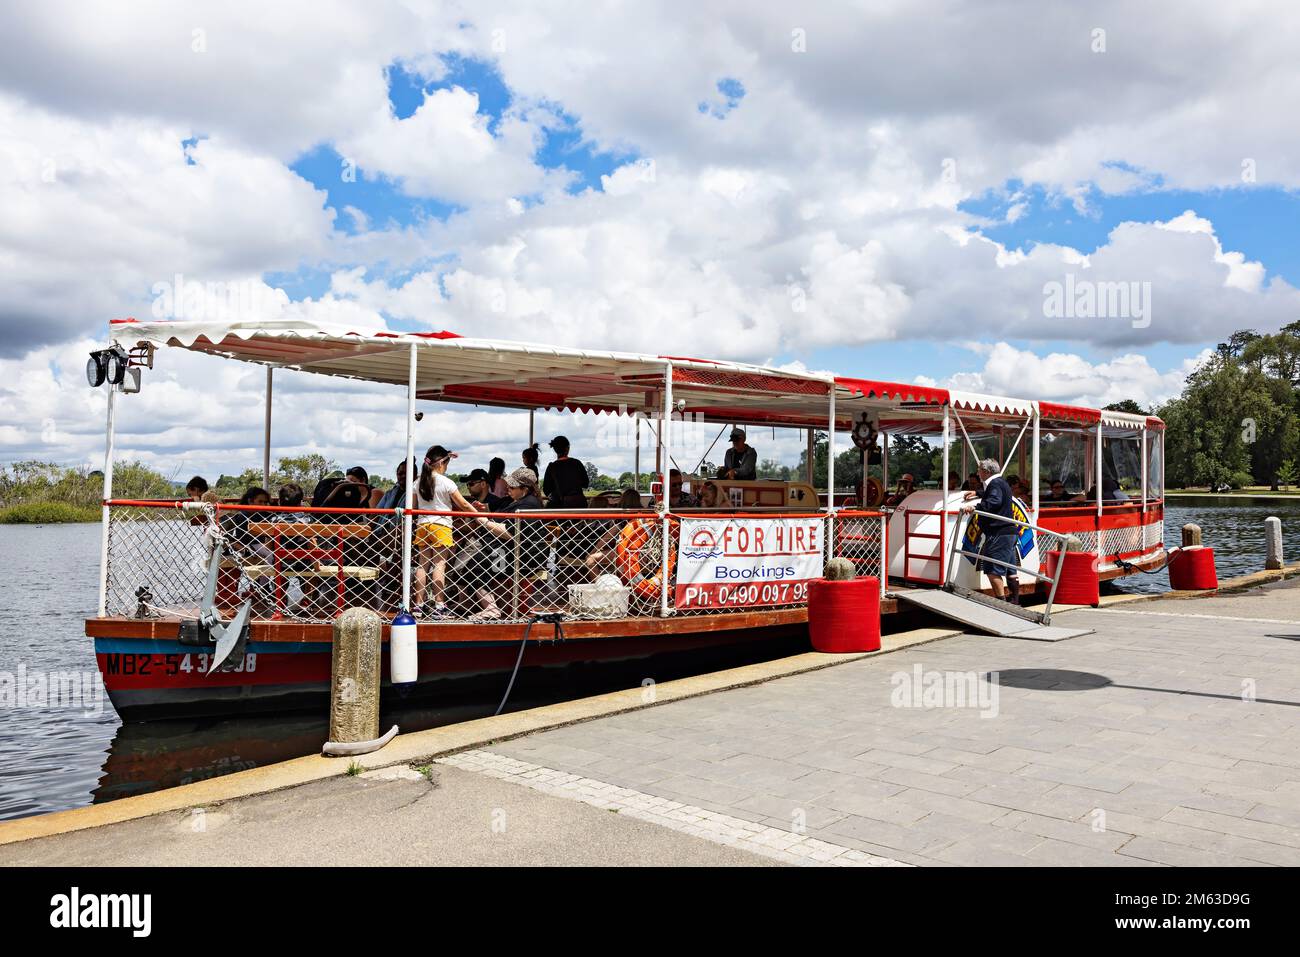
(844, 616)
(1192, 569)
(1079, 584)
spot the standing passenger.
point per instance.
(433, 537)
(565, 478)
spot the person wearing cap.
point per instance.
(906, 486)
(741, 461)
(565, 478)
(433, 537)
(478, 484)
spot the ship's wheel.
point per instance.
(873, 492)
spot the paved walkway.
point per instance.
(1168, 737)
(1132, 746)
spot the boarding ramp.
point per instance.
(985, 612)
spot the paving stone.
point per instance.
(1168, 750)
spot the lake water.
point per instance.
(54, 758)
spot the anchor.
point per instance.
(210, 628)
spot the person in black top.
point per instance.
(741, 461)
(565, 478)
(480, 496)
(997, 537)
(532, 534)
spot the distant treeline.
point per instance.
(1236, 422)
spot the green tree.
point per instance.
(1127, 405)
(304, 470)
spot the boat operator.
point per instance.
(741, 461)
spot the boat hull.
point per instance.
(148, 674)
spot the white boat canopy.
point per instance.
(490, 372)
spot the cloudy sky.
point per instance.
(886, 189)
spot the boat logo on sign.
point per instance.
(704, 544)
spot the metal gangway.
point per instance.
(988, 613)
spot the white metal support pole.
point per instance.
(884, 461)
(412, 478)
(1033, 471)
(1146, 466)
(636, 461)
(1142, 521)
(947, 440)
(1100, 497)
(943, 505)
(108, 494)
(665, 466)
(830, 453)
(266, 447)
(830, 474)
(531, 429)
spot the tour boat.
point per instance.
(574, 585)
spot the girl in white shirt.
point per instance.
(432, 540)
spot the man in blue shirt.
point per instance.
(997, 537)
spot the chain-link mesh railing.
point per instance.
(309, 564)
(158, 548)
(860, 537)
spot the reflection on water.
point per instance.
(56, 758)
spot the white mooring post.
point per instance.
(1272, 542)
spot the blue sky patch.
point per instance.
(1259, 221)
(381, 200)
(731, 91)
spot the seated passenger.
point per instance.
(973, 483)
(195, 488)
(479, 486)
(395, 496)
(352, 492)
(1057, 493)
(906, 486)
(530, 533)
(601, 559)
(1110, 492)
(291, 495)
(711, 496)
(676, 497)
(741, 461)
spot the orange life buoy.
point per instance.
(632, 540)
(873, 492)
